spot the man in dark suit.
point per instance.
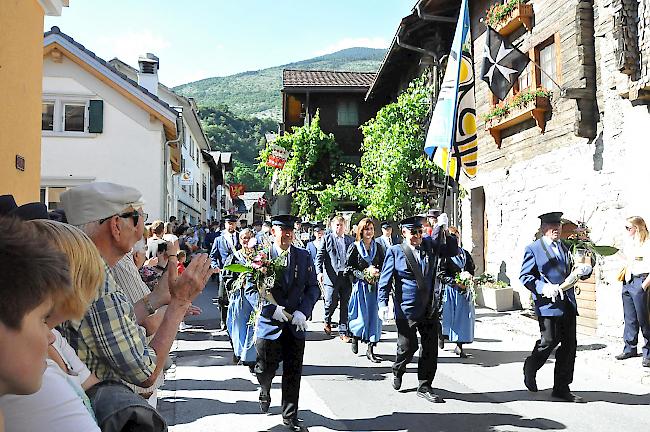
(282, 327)
(330, 264)
(387, 239)
(410, 267)
(314, 245)
(223, 249)
(546, 265)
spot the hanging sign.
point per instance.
(236, 190)
(278, 157)
(186, 179)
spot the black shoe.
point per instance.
(265, 401)
(355, 345)
(427, 393)
(397, 381)
(567, 396)
(530, 380)
(235, 359)
(370, 354)
(460, 352)
(625, 355)
(293, 424)
(441, 341)
(645, 362)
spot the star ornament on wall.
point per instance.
(505, 71)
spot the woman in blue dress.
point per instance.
(242, 306)
(458, 315)
(363, 265)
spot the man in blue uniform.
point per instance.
(410, 267)
(546, 265)
(281, 328)
(223, 249)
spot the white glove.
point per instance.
(279, 315)
(583, 270)
(443, 220)
(300, 320)
(552, 291)
(383, 313)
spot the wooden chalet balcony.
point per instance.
(522, 15)
(535, 109)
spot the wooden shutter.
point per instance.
(96, 116)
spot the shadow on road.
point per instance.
(232, 384)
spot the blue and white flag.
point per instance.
(443, 122)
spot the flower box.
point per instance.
(535, 109)
(521, 15)
(498, 299)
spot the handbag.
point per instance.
(621, 274)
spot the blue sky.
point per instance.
(196, 39)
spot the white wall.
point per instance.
(129, 151)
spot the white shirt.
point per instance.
(170, 238)
(555, 247)
(637, 257)
(389, 240)
(57, 406)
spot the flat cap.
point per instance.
(552, 217)
(30, 211)
(231, 218)
(284, 220)
(411, 222)
(94, 201)
(385, 224)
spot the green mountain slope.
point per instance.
(257, 93)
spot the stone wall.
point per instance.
(600, 181)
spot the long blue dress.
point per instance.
(458, 313)
(241, 326)
(363, 309)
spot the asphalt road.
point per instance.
(345, 392)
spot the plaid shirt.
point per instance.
(109, 340)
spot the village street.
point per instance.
(344, 392)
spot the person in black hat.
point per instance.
(281, 328)
(7, 203)
(546, 265)
(222, 253)
(387, 239)
(410, 267)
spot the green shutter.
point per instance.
(96, 116)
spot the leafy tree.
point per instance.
(312, 165)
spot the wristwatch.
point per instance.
(148, 305)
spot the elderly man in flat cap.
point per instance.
(108, 338)
(546, 265)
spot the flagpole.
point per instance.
(547, 76)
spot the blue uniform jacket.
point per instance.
(313, 250)
(411, 302)
(541, 266)
(298, 290)
(221, 252)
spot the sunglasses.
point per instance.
(629, 228)
(416, 231)
(136, 215)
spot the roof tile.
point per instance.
(315, 78)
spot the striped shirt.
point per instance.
(128, 279)
(109, 340)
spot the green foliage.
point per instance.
(500, 11)
(256, 93)
(242, 136)
(313, 162)
(519, 100)
(346, 188)
(393, 155)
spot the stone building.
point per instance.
(581, 151)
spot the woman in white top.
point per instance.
(61, 405)
(635, 290)
(169, 234)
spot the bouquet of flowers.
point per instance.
(262, 271)
(371, 275)
(466, 284)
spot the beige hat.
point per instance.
(95, 201)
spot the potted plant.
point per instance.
(580, 245)
(494, 294)
(506, 17)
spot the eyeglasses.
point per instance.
(136, 215)
(629, 228)
(416, 231)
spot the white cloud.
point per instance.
(376, 42)
(130, 45)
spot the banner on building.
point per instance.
(452, 139)
(186, 179)
(278, 157)
(236, 190)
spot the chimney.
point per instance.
(148, 73)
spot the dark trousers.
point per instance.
(635, 312)
(407, 346)
(554, 331)
(336, 294)
(225, 282)
(288, 350)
